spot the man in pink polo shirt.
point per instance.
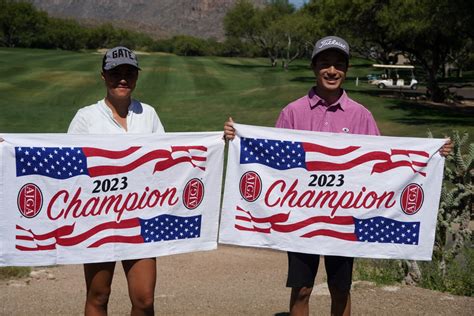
(326, 108)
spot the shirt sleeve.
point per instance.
(283, 120)
(157, 126)
(371, 127)
(78, 124)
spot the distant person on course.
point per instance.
(326, 108)
(118, 113)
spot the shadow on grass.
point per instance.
(246, 66)
(390, 92)
(423, 113)
(292, 67)
(300, 67)
(417, 112)
(310, 79)
(403, 95)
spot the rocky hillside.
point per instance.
(159, 18)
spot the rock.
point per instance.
(362, 284)
(391, 288)
(37, 274)
(16, 283)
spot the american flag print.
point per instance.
(375, 229)
(284, 155)
(161, 228)
(68, 162)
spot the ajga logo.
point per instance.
(412, 198)
(250, 186)
(193, 193)
(30, 200)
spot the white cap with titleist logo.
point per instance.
(119, 56)
(331, 42)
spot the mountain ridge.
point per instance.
(158, 18)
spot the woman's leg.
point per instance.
(141, 278)
(98, 282)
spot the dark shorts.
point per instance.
(302, 269)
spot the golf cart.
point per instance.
(394, 76)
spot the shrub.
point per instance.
(63, 34)
(458, 278)
(189, 46)
(380, 271)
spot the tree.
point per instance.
(189, 46)
(296, 33)
(100, 36)
(427, 31)
(20, 22)
(23, 25)
(63, 34)
(252, 24)
(461, 58)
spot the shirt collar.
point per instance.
(315, 100)
(107, 110)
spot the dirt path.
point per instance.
(227, 281)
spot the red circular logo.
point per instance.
(412, 198)
(193, 193)
(30, 200)
(250, 186)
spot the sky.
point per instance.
(298, 3)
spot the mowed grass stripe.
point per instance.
(204, 76)
(41, 91)
(49, 87)
(154, 77)
(180, 83)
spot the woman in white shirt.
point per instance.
(118, 113)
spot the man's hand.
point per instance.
(229, 131)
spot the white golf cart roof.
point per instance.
(394, 66)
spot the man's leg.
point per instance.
(339, 274)
(302, 269)
(299, 301)
(141, 278)
(340, 302)
(98, 282)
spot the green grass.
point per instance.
(42, 89)
(8, 273)
(380, 271)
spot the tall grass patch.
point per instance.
(459, 279)
(380, 271)
(8, 273)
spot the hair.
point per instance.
(103, 62)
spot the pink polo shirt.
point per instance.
(311, 113)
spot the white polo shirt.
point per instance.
(98, 119)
